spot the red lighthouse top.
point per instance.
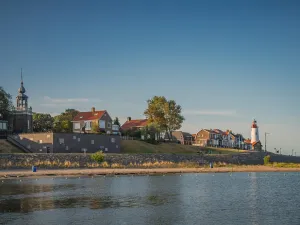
(254, 125)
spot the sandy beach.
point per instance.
(136, 171)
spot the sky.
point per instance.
(224, 62)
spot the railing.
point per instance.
(128, 138)
(17, 144)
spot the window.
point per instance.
(92, 142)
(113, 140)
(1, 126)
(28, 124)
(76, 126)
(108, 125)
(74, 137)
(4, 126)
(61, 141)
(67, 148)
(106, 149)
(78, 139)
(88, 125)
(102, 123)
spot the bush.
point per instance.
(267, 160)
(98, 156)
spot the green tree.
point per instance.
(63, 122)
(6, 106)
(117, 122)
(164, 114)
(42, 122)
(95, 128)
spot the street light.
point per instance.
(266, 140)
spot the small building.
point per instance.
(87, 120)
(134, 124)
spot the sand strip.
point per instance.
(102, 171)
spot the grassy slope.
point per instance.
(6, 147)
(129, 146)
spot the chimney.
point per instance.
(93, 109)
(128, 118)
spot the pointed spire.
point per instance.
(22, 89)
(21, 77)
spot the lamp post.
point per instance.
(266, 141)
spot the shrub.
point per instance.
(267, 160)
(98, 156)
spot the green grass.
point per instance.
(6, 147)
(134, 146)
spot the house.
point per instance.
(89, 119)
(134, 124)
(183, 138)
(206, 137)
(247, 144)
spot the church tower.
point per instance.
(23, 114)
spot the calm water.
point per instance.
(243, 198)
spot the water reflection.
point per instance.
(188, 199)
(25, 205)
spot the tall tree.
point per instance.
(42, 122)
(6, 106)
(63, 122)
(164, 114)
(117, 122)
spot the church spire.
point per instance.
(22, 89)
(21, 77)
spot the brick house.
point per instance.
(87, 119)
(183, 138)
(134, 124)
(207, 137)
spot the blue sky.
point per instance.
(224, 62)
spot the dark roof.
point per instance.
(134, 123)
(89, 115)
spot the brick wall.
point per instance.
(69, 142)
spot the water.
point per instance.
(243, 198)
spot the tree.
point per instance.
(95, 128)
(63, 122)
(42, 122)
(164, 114)
(117, 122)
(6, 106)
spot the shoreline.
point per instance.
(136, 171)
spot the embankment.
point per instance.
(52, 161)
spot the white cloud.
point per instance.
(210, 112)
(54, 102)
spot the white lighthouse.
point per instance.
(254, 134)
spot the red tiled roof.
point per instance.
(89, 115)
(134, 123)
(247, 141)
(256, 142)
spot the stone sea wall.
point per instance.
(18, 161)
(15, 161)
